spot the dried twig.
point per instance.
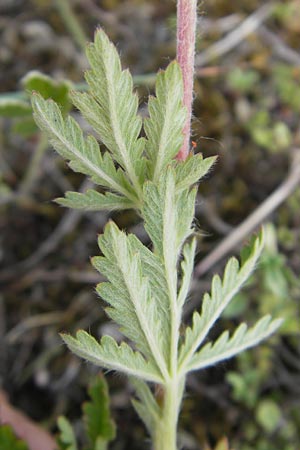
(235, 37)
(255, 219)
(279, 47)
(67, 223)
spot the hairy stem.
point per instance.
(165, 437)
(186, 32)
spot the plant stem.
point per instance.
(71, 22)
(165, 435)
(166, 432)
(33, 170)
(186, 32)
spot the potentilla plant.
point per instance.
(146, 290)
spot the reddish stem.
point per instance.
(186, 32)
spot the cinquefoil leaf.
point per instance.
(128, 292)
(191, 170)
(146, 406)
(187, 267)
(164, 127)
(213, 304)
(108, 354)
(111, 107)
(84, 154)
(153, 270)
(92, 200)
(168, 215)
(226, 347)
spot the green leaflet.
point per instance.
(110, 355)
(84, 154)
(191, 170)
(154, 271)
(168, 215)
(92, 200)
(226, 347)
(112, 99)
(164, 127)
(146, 405)
(213, 304)
(185, 210)
(187, 267)
(168, 218)
(132, 300)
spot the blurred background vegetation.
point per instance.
(246, 110)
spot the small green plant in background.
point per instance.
(278, 289)
(222, 444)
(9, 441)
(16, 108)
(273, 136)
(146, 290)
(99, 426)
